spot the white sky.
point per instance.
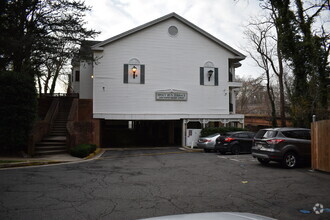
(224, 19)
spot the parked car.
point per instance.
(207, 143)
(286, 145)
(235, 142)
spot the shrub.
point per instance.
(82, 150)
(222, 130)
(18, 107)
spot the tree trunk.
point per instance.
(281, 84)
(271, 100)
(57, 72)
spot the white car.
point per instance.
(208, 143)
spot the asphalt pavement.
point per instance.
(141, 183)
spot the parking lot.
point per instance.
(140, 183)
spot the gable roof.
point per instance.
(98, 47)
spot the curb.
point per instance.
(29, 163)
(94, 154)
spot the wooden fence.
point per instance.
(321, 145)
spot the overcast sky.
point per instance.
(224, 19)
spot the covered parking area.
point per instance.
(136, 133)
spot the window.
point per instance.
(209, 75)
(297, 134)
(243, 135)
(134, 72)
(173, 31)
(266, 134)
(77, 76)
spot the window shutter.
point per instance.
(201, 74)
(125, 73)
(142, 68)
(216, 78)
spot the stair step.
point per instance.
(58, 138)
(53, 143)
(57, 134)
(47, 148)
(51, 152)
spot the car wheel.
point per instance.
(222, 152)
(235, 150)
(263, 161)
(290, 160)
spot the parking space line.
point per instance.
(140, 155)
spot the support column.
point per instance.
(184, 131)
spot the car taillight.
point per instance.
(274, 141)
(229, 139)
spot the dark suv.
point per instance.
(235, 142)
(286, 145)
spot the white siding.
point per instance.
(170, 63)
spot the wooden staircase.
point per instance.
(55, 141)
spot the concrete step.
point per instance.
(57, 134)
(47, 148)
(57, 138)
(53, 143)
(47, 152)
(58, 130)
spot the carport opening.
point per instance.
(124, 133)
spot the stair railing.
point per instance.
(42, 128)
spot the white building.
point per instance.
(149, 83)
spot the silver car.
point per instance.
(208, 143)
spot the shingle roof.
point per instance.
(99, 46)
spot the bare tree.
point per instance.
(262, 33)
(262, 51)
(252, 97)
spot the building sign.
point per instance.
(171, 95)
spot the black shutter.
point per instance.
(201, 74)
(125, 73)
(216, 78)
(142, 68)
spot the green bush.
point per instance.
(222, 130)
(18, 110)
(82, 150)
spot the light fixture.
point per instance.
(134, 69)
(209, 74)
(92, 76)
